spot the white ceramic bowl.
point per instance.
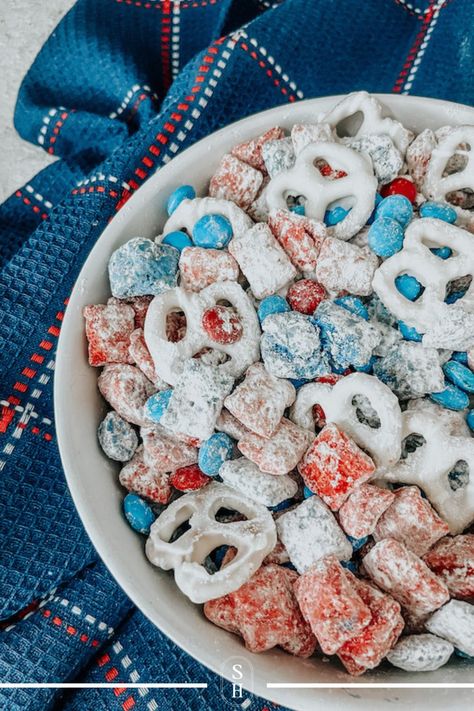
(93, 481)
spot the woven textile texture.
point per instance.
(118, 89)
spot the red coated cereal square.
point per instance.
(359, 513)
(140, 354)
(146, 481)
(334, 466)
(201, 267)
(300, 237)
(411, 520)
(251, 151)
(331, 604)
(236, 181)
(281, 452)
(108, 330)
(452, 559)
(367, 649)
(406, 577)
(264, 611)
(164, 452)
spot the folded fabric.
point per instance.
(119, 88)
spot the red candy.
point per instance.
(108, 330)
(367, 649)
(251, 151)
(264, 611)
(406, 577)
(331, 604)
(453, 560)
(189, 478)
(300, 237)
(334, 465)
(411, 520)
(222, 324)
(145, 480)
(400, 186)
(359, 514)
(127, 390)
(305, 296)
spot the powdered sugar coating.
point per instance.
(201, 267)
(455, 622)
(300, 237)
(360, 512)
(452, 559)
(117, 437)
(410, 370)
(420, 652)
(236, 181)
(108, 331)
(342, 266)
(164, 452)
(126, 389)
(281, 452)
(386, 158)
(269, 490)
(310, 532)
(140, 478)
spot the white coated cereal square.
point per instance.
(455, 622)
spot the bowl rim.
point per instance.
(271, 117)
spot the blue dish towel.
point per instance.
(119, 88)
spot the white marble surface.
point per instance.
(24, 26)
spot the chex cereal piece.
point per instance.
(411, 520)
(386, 158)
(367, 649)
(420, 652)
(279, 453)
(347, 339)
(455, 622)
(401, 573)
(108, 330)
(330, 603)
(452, 559)
(278, 156)
(236, 181)
(137, 476)
(197, 400)
(139, 305)
(246, 477)
(418, 156)
(140, 355)
(164, 452)
(310, 532)
(117, 438)
(359, 513)
(253, 151)
(410, 370)
(264, 611)
(262, 260)
(200, 267)
(126, 389)
(260, 400)
(230, 425)
(291, 346)
(334, 466)
(300, 237)
(345, 267)
(278, 555)
(302, 134)
(142, 267)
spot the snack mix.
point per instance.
(289, 370)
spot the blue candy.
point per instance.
(282, 505)
(442, 252)
(463, 655)
(335, 215)
(177, 239)
(141, 266)
(214, 452)
(408, 286)
(350, 565)
(470, 419)
(454, 296)
(180, 194)
(409, 333)
(298, 209)
(354, 305)
(451, 397)
(298, 383)
(138, 513)
(460, 375)
(218, 555)
(460, 356)
(307, 492)
(369, 366)
(395, 207)
(272, 305)
(385, 236)
(357, 543)
(378, 200)
(439, 210)
(157, 404)
(212, 232)
(117, 438)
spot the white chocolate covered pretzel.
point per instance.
(305, 179)
(253, 538)
(382, 443)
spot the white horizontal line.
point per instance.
(367, 685)
(124, 685)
